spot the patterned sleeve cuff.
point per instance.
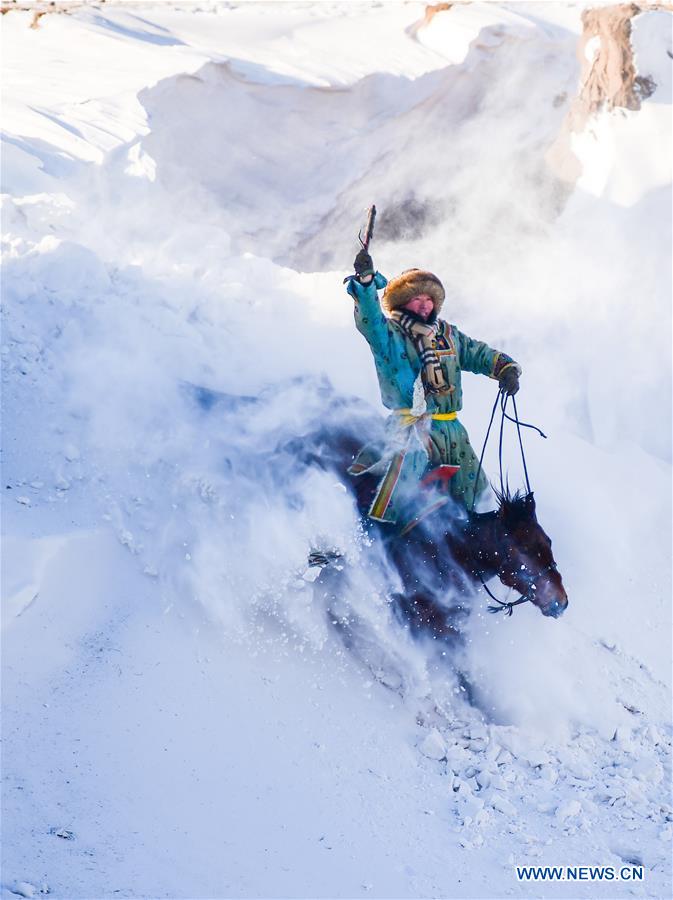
(502, 362)
(359, 291)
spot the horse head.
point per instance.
(525, 561)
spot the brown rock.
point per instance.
(608, 79)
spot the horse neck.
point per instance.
(481, 544)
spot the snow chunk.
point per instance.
(648, 768)
(141, 164)
(503, 805)
(457, 758)
(473, 811)
(498, 782)
(537, 758)
(312, 573)
(568, 810)
(549, 774)
(477, 732)
(504, 758)
(578, 769)
(25, 889)
(67, 269)
(71, 452)
(433, 745)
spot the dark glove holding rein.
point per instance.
(364, 267)
(509, 381)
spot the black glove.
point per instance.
(509, 381)
(363, 264)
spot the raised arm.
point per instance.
(369, 319)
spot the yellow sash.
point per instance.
(407, 418)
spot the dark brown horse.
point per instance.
(442, 562)
(455, 553)
(448, 556)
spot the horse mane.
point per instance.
(513, 505)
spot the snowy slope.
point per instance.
(182, 186)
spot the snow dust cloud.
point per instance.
(230, 226)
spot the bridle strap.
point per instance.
(507, 606)
(503, 606)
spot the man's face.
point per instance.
(421, 305)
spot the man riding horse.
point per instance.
(419, 359)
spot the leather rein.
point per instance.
(507, 607)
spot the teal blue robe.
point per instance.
(411, 450)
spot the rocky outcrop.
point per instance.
(609, 76)
(42, 8)
(432, 9)
(608, 80)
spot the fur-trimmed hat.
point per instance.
(411, 283)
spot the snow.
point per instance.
(189, 710)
